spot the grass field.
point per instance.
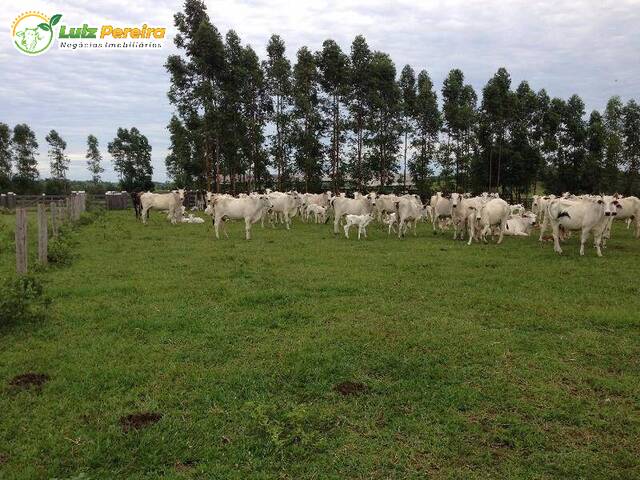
(467, 362)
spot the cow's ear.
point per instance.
(600, 201)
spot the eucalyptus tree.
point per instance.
(278, 69)
(59, 162)
(631, 136)
(24, 148)
(497, 109)
(94, 159)
(384, 118)
(357, 101)
(196, 78)
(459, 109)
(407, 84)
(613, 121)
(428, 121)
(256, 108)
(179, 163)
(131, 153)
(308, 122)
(5, 155)
(334, 67)
(596, 140)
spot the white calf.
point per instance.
(361, 221)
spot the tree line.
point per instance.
(130, 151)
(242, 123)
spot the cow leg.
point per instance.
(145, 215)
(637, 226)
(287, 220)
(543, 227)
(216, 227)
(556, 238)
(471, 233)
(247, 228)
(346, 230)
(336, 222)
(501, 236)
(415, 227)
(359, 231)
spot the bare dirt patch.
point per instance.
(28, 380)
(138, 421)
(351, 388)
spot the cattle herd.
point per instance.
(475, 217)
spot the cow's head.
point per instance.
(29, 38)
(607, 206)
(456, 199)
(372, 197)
(265, 201)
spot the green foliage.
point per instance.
(60, 250)
(131, 154)
(22, 300)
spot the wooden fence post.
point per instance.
(54, 218)
(67, 211)
(21, 240)
(60, 213)
(43, 234)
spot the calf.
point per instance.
(342, 206)
(361, 221)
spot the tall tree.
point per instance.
(631, 135)
(384, 119)
(334, 78)
(459, 109)
(278, 69)
(131, 154)
(358, 97)
(256, 108)
(195, 88)
(308, 126)
(497, 108)
(25, 149)
(407, 84)
(5, 155)
(180, 167)
(574, 140)
(94, 159)
(593, 167)
(613, 120)
(59, 161)
(428, 122)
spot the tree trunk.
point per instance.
(404, 180)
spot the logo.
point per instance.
(32, 32)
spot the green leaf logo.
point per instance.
(55, 19)
(45, 27)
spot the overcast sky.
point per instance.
(586, 47)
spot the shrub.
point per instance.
(22, 300)
(88, 217)
(60, 251)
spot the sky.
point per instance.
(588, 47)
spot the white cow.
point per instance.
(493, 213)
(440, 209)
(589, 216)
(628, 210)
(249, 209)
(171, 202)
(285, 205)
(351, 206)
(410, 209)
(520, 225)
(539, 207)
(319, 212)
(385, 204)
(361, 221)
